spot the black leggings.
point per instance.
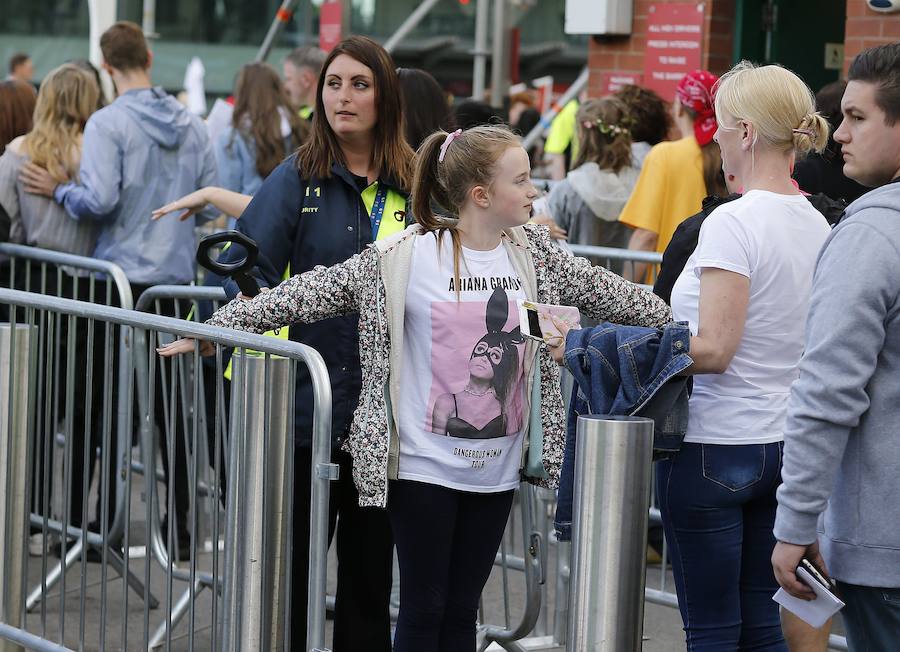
(446, 543)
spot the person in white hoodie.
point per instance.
(588, 201)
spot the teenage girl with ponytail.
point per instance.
(676, 176)
(437, 312)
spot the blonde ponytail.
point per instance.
(811, 135)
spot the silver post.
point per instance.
(479, 65)
(256, 536)
(16, 379)
(282, 16)
(409, 24)
(609, 537)
(500, 56)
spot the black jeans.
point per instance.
(365, 561)
(446, 543)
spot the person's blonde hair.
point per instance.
(469, 160)
(603, 134)
(67, 98)
(779, 105)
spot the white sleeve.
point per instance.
(724, 244)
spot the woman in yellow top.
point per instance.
(676, 176)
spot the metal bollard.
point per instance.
(609, 537)
(256, 537)
(16, 397)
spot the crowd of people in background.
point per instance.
(738, 183)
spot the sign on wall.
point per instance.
(674, 45)
(330, 24)
(612, 82)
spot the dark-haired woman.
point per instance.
(263, 131)
(345, 187)
(426, 107)
(676, 176)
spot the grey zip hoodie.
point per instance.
(139, 153)
(587, 204)
(842, 440)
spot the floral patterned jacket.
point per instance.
(373, 283)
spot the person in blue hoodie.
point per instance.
(140, 152)
(838, 504)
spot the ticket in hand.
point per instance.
(815, 612)
(536, 320)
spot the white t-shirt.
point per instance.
(462, 401)
(773, 240)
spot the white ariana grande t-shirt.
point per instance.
(462, 400)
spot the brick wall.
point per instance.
(867, 28)
(626, 54)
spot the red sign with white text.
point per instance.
(674, 45)
(614, 81)
(330, 24)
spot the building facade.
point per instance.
(816, 38)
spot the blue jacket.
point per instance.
(139, 153)
(236, 160)
(302, 224)
(625, 370)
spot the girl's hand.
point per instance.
(557, 344)
(186, 345)
(189, 204)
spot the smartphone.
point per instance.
(816, 573)
(529, 324)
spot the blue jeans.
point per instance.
(718, 509)
(871, 617)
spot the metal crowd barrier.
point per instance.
(621, 261)
(237, 586)
(65, 275)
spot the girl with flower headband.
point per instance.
(676, 176)
(588, 201)
(456, 408)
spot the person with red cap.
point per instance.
(676, 175)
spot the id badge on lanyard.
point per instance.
(378, 209)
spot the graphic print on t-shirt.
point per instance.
(476, 363)
(461, 416)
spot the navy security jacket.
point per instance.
(625, 370)
(305, 223)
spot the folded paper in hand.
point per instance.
(815, 612)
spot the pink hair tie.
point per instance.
(805, 132)
(449, 139)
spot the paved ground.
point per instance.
(129, 626)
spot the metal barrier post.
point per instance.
(609, 538)
(16, 342)
(259, 491)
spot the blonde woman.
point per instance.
(67, 98)
(745, 293)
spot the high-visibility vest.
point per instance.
(393, 221)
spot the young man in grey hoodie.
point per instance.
(142, 151)
(842, 440)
